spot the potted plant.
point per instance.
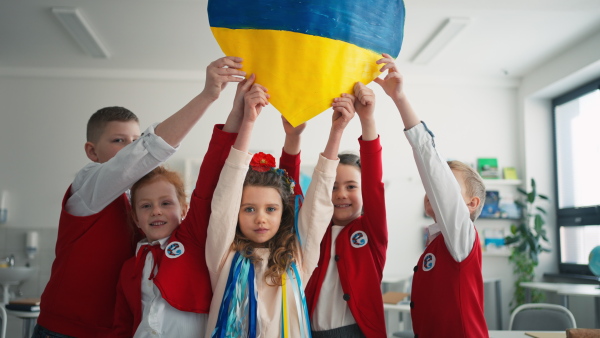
(526, 243)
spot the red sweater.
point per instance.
(447, 296)
(360, 269)
(79, 299)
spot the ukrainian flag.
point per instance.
(307, 52)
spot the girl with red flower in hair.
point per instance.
(258, 247)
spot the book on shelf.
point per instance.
(491, 206)
(488, 168)
(510, 173)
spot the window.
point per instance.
(577, 161)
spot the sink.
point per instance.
(13, 276)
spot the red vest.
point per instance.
(79, 299)
(360, 267)
(183, 281)
(447, 296)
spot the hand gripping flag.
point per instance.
(307, 52)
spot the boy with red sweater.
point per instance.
(447, 287)
(94, 238)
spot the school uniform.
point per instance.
(345, 288)
(447, 287)
(313, 218)
(171, 298)
(94, 240)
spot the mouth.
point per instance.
(157, 223)
(342, 205)
(261, 230)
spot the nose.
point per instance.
(156, 210)
(260, 218)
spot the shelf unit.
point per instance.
(499, 182)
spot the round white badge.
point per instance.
(359, 239)
(174, 250)
(428, 262)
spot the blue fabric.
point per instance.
(377, 25)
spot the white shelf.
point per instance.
(494, 182)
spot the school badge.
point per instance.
(174, 250)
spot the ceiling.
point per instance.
(171, 38)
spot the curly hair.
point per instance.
(283, 246)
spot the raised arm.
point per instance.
(374, 211)
(290, 154)
(441, 186)
(315, 214)
(218, 74)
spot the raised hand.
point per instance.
(392, 83)
(219, 73)
(234, 120)
(365, 100)
(254, 100)
(343, 111)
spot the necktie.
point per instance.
(157, 254)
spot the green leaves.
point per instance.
(526, 241)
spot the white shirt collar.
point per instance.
(162, 242)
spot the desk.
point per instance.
(521, 334)
(564, 290)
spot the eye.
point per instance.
(335, 188)
(167, 203)
(145, 206)
(249, 209)
(118, 140)
(350, 187)
(271, 209)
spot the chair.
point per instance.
(541, 317)
(3, 321)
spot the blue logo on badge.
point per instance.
(428, 262)
(359, 239)
(174, 250)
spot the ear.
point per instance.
(184, 211)
(90, 151)
(473, 204)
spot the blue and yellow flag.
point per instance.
(307, 52)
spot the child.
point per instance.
(344, 294)
(447, 288)
(256, 257)
(93, 237)
(177, 300)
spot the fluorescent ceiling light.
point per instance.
(72, 19)
(440, 39)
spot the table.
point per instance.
(521, 334)
(564, 290)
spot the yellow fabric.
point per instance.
(303, 73)
(284, 311)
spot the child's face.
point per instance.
(116, 135)
(157, 209)
(260, 213)
(347, 195)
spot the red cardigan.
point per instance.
(360, 269)
(447, 296)
(79, 299)
(184, 281)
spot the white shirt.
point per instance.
(159, 318)
(332, 311)
(453, 220)
(99, 184)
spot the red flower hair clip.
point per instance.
(262, 162)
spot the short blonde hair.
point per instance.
(473, 183)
